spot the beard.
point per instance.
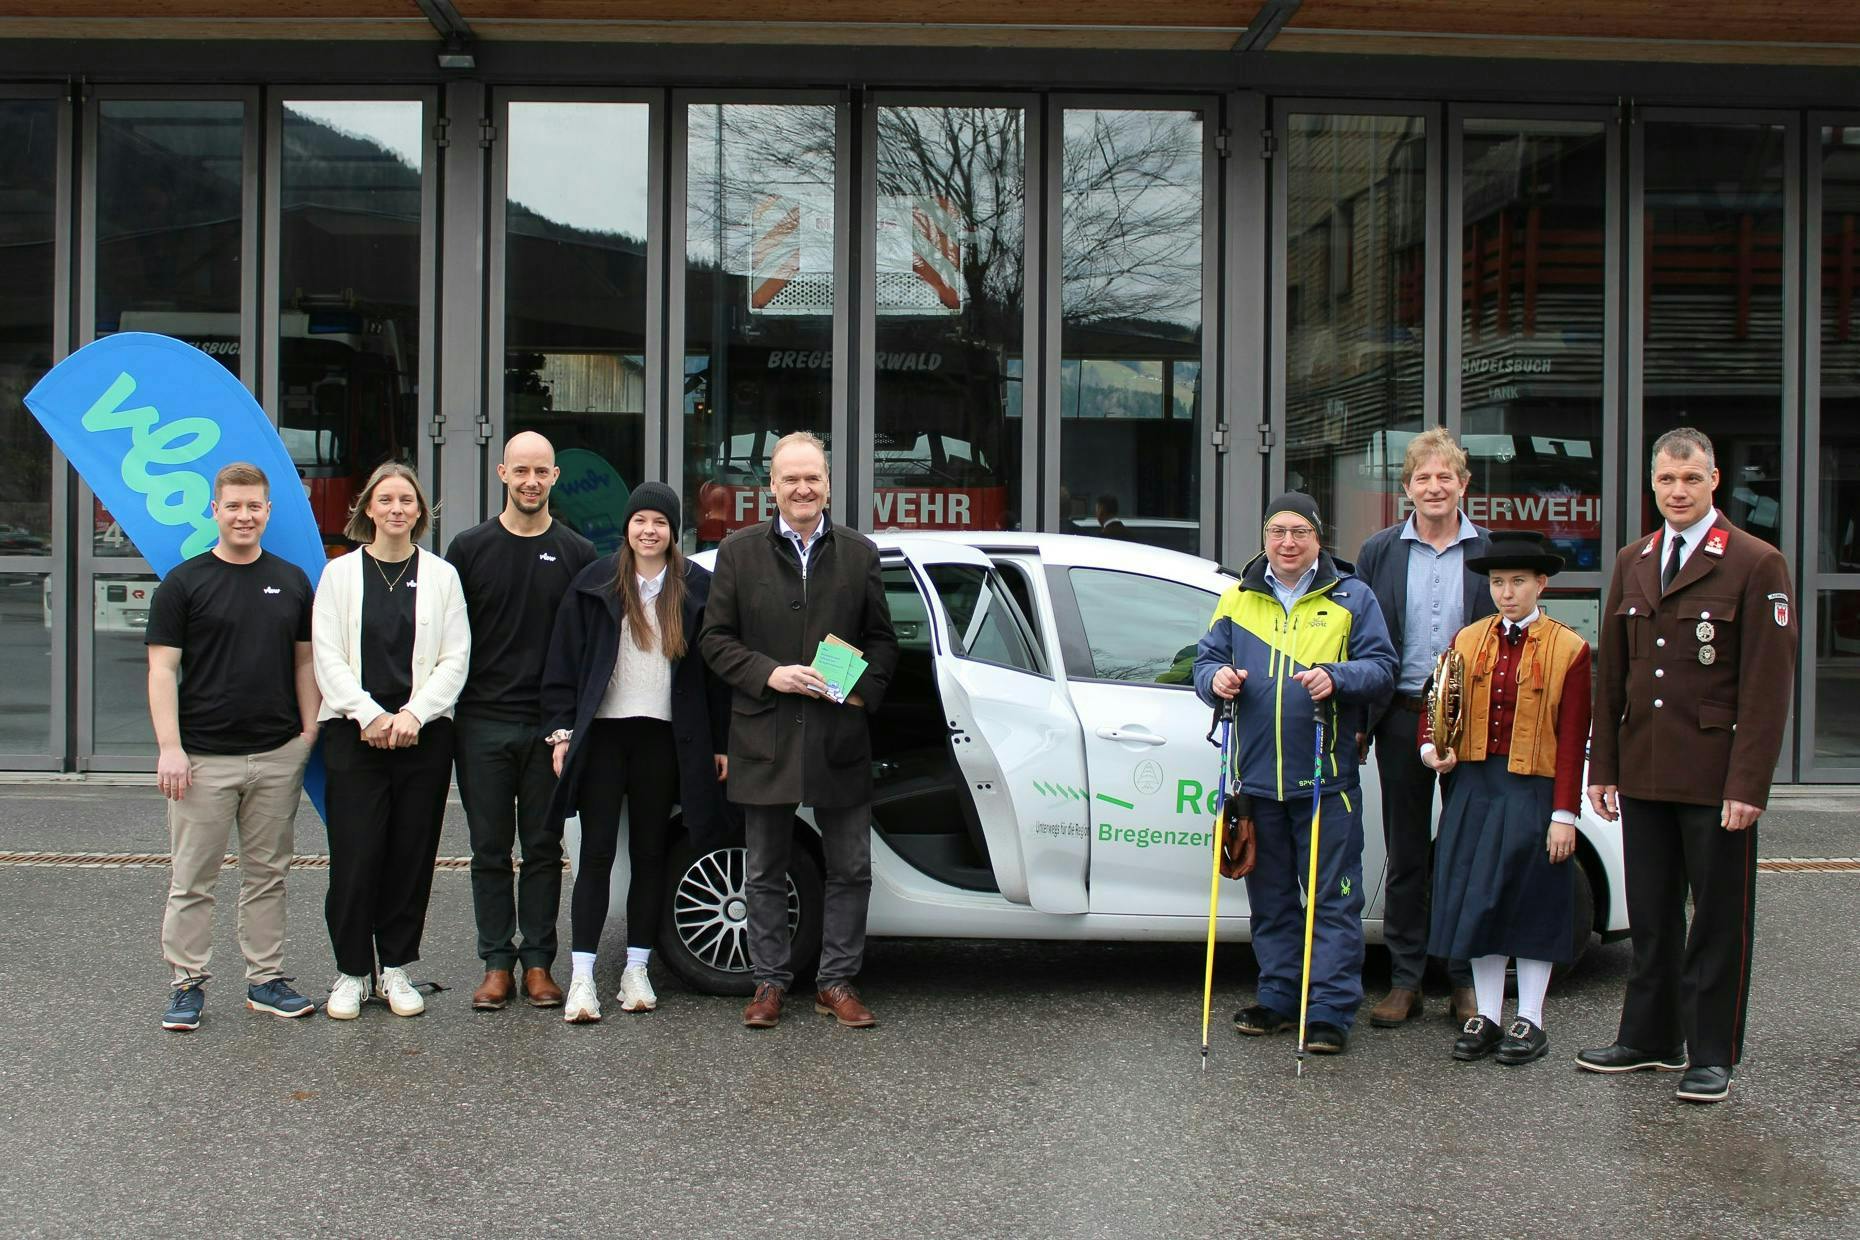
(526, 506)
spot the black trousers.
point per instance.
(1408, 830)
(506, 778)
(632, 761)
(385, 809)
(1688, 987)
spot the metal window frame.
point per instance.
(1790, 392)
(1032, 200)
(1812, 581)
(1453, 291)
(426, 457)
(1433, 116)
(1211, 413)
(840, 476)
(55, 566)
(89, 566)
(656, 412)
(1246, 265)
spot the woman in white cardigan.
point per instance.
(392, 646)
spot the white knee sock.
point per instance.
(583, 965)
(1533, 981)
(1489, 985)
(638, 956)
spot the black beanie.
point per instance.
(1296, 502)
(654, 497)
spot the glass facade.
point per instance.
(949, 242)
(1010, 312)
(1131, 218)
(575, 301)
(761, 282)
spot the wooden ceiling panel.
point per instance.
(1225, 14)
(1735, 21)
(211, 10)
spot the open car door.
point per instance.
(1012, 731)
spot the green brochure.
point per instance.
(841, 666)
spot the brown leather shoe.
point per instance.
(1397, 1007)
(764, 1011)
(540, 990)
(1465, 1005)
(495, 991)
(842, 1002)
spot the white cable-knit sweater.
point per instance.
(641, 684)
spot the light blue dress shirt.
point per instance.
(802, 545)
(1436, 605)
(1287, 595)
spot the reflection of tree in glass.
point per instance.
(1131, 199)
(973, 161)
(742, 153)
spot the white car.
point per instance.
(1042, 766)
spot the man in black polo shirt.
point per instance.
(234, 703)
(515, 568)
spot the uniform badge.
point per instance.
(1706, 631)
(1651, 544)
(1708, 655)
(1781, 611)
(1715, 542)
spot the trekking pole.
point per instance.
(1311, 888)
(1226, 714)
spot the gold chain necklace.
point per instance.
(404, 566)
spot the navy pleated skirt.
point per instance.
(1495, 891)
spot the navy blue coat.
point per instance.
(1383, 563)
(581, 661)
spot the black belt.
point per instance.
(1408, 702)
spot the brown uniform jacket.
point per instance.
(1692, 688)
(787, 749)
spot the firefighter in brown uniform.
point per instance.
(1691, 700)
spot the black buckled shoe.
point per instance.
(1524, 1041)
(1323, 1038)
(1259, 1020)
(1619, 1058)
(1704, 1085)
(1478, 1039)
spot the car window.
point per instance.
(985, 623)
(1141, 629)
(1014, 577)
(910, 619)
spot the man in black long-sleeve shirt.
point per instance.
(515, 568)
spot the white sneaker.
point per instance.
(584, 1003)
(636, 990)
(402, 998)
(347, 996)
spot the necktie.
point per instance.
(1672, 565)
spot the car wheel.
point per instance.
(704, 935)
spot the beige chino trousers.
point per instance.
(260, 793)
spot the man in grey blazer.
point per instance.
(780, 587)
(1417, 570)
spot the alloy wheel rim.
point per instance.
(710, 909)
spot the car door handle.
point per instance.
(1128, 738)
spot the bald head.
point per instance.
(528, 471)
(529, 446)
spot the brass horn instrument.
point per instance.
(1445, 700)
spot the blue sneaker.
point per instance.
(183, 1014)
(277, 997)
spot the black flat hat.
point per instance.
(1526, 549)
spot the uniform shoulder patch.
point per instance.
(1715, 542)
(1779, 609)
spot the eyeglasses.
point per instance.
(1297, 533)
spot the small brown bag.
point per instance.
(1238, 845)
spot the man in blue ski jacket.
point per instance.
(1301, 647)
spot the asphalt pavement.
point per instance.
(1011, 1089)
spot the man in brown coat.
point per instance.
(1691, 701)
(779, 588)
